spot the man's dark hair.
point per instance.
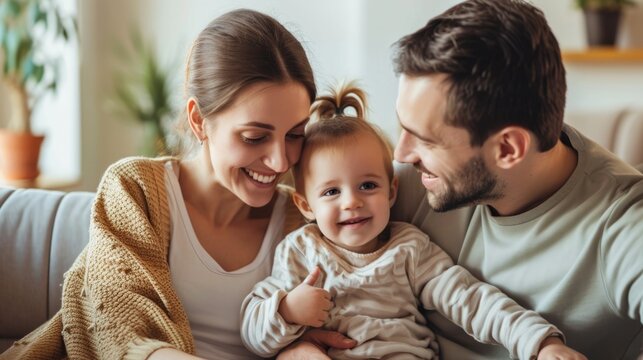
(503, 66)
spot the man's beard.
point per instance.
(473, 184)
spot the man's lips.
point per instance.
(422, 170)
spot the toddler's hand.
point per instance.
(553, 348)
(306, 304)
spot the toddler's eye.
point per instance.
(330, 192)
(369, 185)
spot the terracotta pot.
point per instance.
(19, 154)
(602, 26)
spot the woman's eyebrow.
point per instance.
(260, 125)
(271, 127)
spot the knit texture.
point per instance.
(118, 299)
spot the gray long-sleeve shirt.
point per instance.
(377, 298)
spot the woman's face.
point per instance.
(257, 138)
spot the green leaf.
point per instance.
(3, 11)
(60, 27)
(13, 8)
(3, 31)
(13, 42)
(28, 68)
(25, 51)
(38, 73)
(32, 14)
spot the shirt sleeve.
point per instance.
(482, 310)
(621, 251)
(263, 330)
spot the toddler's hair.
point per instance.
(332, 127)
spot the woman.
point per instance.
(176, 244)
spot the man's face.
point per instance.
(453, 172)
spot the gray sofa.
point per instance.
(41, 233)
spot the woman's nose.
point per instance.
(277, 159)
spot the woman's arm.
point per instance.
(118, 298)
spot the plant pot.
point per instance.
(601, 26)
(19, 154)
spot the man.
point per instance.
(557, 222)
(522, 201)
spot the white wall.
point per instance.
(344, 39)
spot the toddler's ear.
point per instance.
(393, 192)
(302, 205)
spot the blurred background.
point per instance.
(90, 121)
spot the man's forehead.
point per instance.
(421, 110)
(421, 104)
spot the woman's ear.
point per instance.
(303, 206)
(195, 119)
(393, 194)
(510, 146)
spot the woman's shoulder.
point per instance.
(136, 170)
(135, 165)
(134, 175)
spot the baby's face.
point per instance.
(349, 192)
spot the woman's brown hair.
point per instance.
(234, 51)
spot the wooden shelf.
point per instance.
(42, 182)
(603, 55)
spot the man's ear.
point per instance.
(393, 193)
(302, 205)
(195, 119)
(510, 146)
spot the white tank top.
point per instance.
(211, 296)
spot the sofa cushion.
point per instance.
(69, 236)
(619, 131)
(41, 233)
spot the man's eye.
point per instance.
(369, 185)
(252, 140)
(330, 192)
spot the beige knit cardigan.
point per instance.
(118, 300)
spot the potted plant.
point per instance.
(28, 72)
(142, 93)
(602, 18)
